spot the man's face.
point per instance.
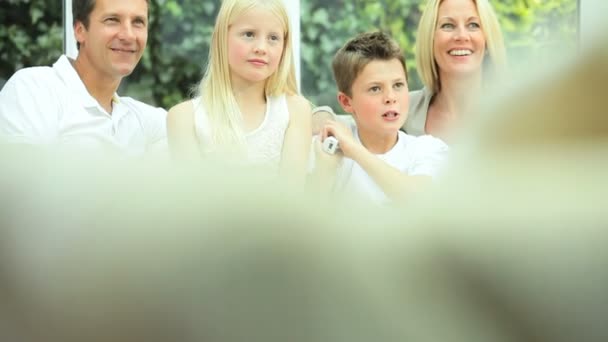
(379, 98)
(114, 42)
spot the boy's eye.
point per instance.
(111, 20)
(374, 89)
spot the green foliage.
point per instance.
(180, 32)
(31, 34)
(325, 28)
(178, 47)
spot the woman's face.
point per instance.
(460, 43)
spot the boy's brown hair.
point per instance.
(359, 51)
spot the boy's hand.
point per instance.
(348, 144)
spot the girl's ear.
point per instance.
(346, 102)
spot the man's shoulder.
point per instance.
(30, 86)
(37, 76)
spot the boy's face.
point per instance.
(379, 98)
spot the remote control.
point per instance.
(330, 145)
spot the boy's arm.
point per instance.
(181, 134)
(322, 114)
(394, 183)
(296, 146)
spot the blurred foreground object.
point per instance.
(511, 246)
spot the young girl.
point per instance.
(248, 109)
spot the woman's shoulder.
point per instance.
(419, 102)
(420, 96)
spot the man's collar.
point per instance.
(66, 71)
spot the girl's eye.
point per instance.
(248, 34)
(474, 25)
(447, 26)
(275, 38)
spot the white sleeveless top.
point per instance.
(265, 143)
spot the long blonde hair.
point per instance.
(215, 88)
(425, 58)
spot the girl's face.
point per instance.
(256, 41)
(460, 44)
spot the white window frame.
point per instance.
(293, 9)
(591, 20)
(69, 41)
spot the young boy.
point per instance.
(380, 161)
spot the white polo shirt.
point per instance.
(51, 105)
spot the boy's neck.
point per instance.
(377, 144)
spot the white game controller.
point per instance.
(330, 145)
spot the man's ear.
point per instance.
(79, 32)
(346, 102)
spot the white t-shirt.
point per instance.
(51, 105)
(415, 156)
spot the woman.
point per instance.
(459, 45)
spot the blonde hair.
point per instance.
(425, 58)
(216, 88)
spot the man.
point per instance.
(74, 102)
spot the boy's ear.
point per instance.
(346, 102)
